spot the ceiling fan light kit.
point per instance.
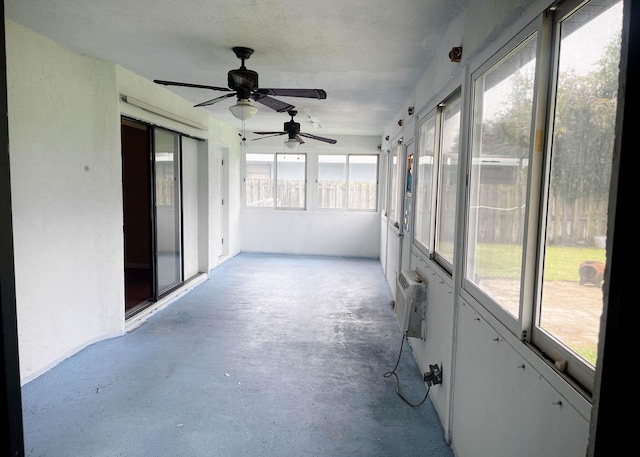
(291, 143)
(243, 110)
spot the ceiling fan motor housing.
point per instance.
(242, 80)
(292, 127)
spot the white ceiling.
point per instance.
(366, 54)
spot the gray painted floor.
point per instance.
(274, 355)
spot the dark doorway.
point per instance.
(136, 185)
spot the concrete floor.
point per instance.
(274, 355)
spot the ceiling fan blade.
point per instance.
(272, 103)
(298, 139)
(270, 136)
(269, 133)
(319, 138)
(198, 86)
(304, 93)
(215, 100)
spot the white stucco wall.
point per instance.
(501, 391)
(297, 232)
(64, 143)
(224, 142)
(65, 158)
(313, 231)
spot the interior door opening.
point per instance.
(136, 185)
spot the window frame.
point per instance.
(383, 183)
(244, 180)
(426, 246)
(443, 107)
(395, 195)
(344, 183)
(578, 373)
(347, 183)
(274, 181)
(508, 320)
(277, 182)
(436, 116)
(545, 342)
(377, 181)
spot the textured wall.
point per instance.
(67, 199)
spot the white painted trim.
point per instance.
(143, 316)
(160, 112)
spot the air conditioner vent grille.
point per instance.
(403, 282)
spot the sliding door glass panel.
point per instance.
(501, 139)
(167, 209)
(580, 169)
(259, 178)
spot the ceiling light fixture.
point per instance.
(291, 143)
(243, 110)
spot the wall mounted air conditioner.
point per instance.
(411, 304)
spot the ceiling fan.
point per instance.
(292, 129)
(243, 83)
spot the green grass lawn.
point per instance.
(561, 263)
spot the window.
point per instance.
(282, 186)
(258, 181)
(291, 181)
(363, 182)
(384, 173)
(347, 181)
(424, 183)
(437, 181)
(447, 181)
(394, 192)
(579, 160)
(501, 136)
(332, 181)
(537, 203)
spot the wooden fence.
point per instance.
(361, 195)
(329, 194)
(569, 223)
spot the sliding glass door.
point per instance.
(167, 210)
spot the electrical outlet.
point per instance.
(436, 374)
